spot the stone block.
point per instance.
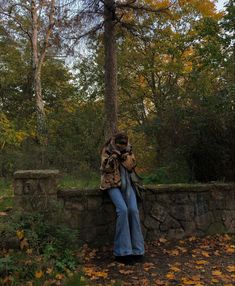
(175, 233)
(151, 223)
(179, 198)
(189, 226)
(158, 212)
(18, 187)
(94, 203)
(163, 199)
(203, 221)
(201, 204)
(169, 223)
(77, 206)
(229, 221)
(216, 227)
(182, 212)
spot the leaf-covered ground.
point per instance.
(192, 261)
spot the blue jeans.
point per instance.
(128, 237)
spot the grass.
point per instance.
(88, 181)
(6, 194)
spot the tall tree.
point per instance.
(33, 22)
(111, 14)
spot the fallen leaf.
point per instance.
(192, 238)
(29, 251)
(231, 268)
(162, 239)
(24, 243)
(148, 266)
(174, 252)
(226, 237)
(159, 282)
(187, 281)
(213, 280)
(38, 274)
(216, 273)
(126, 272)
(206, 254)
(183, 249)
(20, 234)
(59, 276)
(170, 275)
(201, 262)
(230, 249)
(49, 270)
(175, 269)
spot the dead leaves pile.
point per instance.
(192, 261)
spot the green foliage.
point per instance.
(6, 194)
(87, 181)
(44, 245)
(176, 100)
(76, 280)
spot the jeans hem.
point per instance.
(138, 253)
(124, 254)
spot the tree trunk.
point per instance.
(40, 112)
(110, 96)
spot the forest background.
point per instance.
(176, 98)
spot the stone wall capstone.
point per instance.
(171, 211)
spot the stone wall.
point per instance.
(172, 211)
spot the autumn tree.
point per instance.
(34, 24)
(111, 15)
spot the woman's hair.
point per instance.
(119, 137)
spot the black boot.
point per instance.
(126, 259)
(138, 258)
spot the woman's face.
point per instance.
(121, 145)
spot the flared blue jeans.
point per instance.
(128, 236)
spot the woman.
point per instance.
(117, 162)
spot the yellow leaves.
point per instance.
(214, 280)
(188, 66)
(126, 272)
(201, 262)
(175, 269)
(217, 273)
(49, 270)
(188, 281)
(205, 7)
(93, 274)
(128, 17)
(230, 249)
(206, 254)
(182, 249)
(158, 4)
(173, 252)
(20, 234)
(38, 274)
(147, 266)
(142, 81)
(29, 251)
(170, 275)
(231, 268)
(192, 238)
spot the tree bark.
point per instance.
(110, 50)
(40, 111)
